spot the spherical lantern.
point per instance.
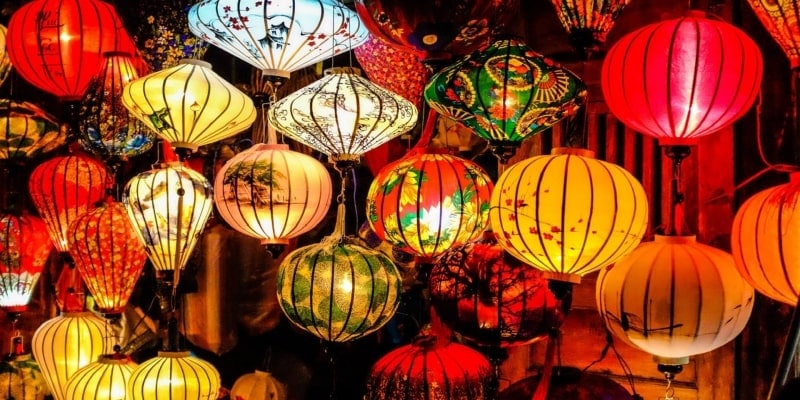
(567, 213)
(104, 379)
(24, 248)
(428, 202)
(65, 344)
(278, 37)
(189, 105)
(674, 298)
(27, 131)
(58, 45)
(781, 20)
(588, 22)
(568, 383)
(168, 208)
(108, 255)
(63, 188)
(272, 193)
(343, 115)
(681, 79)
(258, 385)
(21, 379)
(5, 60)
(505, 94)
(174, 375)
(428, 369)
(163, 35)
(491, 298)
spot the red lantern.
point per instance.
(680, 79)
(24, 247)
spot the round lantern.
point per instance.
(21, 379)
(5, 60)
(567, 213)
(63, 188)
(108, 255)
(24, 249)
(428, 369)
(65, 344)
(189, 105)
(104, 379)
(168, 208)
(58, 45)
(588, 22)
(505, 93)
(491, 298)
(27, 131)
(681, 79)
(762, 241)
(568, 383)
(781, 20)
(272, 193)
(163, 35)
(674, 298)
(174, 375)
(428, 202)
(258, 385)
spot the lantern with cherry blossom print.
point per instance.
(24, 248)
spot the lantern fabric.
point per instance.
(21, 378)
(588, 21)
(272, 193)
(107, 254)
(189, 105)
(343, 115)
(104, 379)
(58, 45)
(674, 298)
(428, 202)
(780, 18)
(65, 344)
(568, 383)
(24, 249)
(5, 60)
(174, 375)
(26, 131)
(567, 213)
(63, 188)
(278, 37)
(258, 385)
(762, 241)
(168, 208)
(396, 70)
(681, 79)
(163, 35)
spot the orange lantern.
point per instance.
(781, 20)
(258, 385)
(24, 248)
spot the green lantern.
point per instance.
(505, 94)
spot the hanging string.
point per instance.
(626, 369)
(543, 388)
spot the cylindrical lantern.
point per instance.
(567, 213)
(272, 193)
(168, 208)
(588, 22)
(174, 375)
(674, 298)
(104, 379)
(681, 79)
(189, 105)
(5, 60)
(24, 248)
(258, 385)
(163, 36)
(63, 188)
(27, 131)
(65, 344)
(428, 202)
(108, 255)
(21, 379)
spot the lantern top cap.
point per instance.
(77, 314)
(342, 70)
(113, 358)
(193, 61)
(118, 53)
(174, 354)
(268, 146)
(697, 14)
(573, 151)
(675, 239)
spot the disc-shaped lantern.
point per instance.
(505, 93)
(567, 213)
(24, 248)
(343, 115)
(104, 379)
(490, 298)
(174, 375)
(674, 298)
(781, 20)
(588, 22)
(163, 35)
(428, 202)
(189, 105)
(681, 79)
(108, 255)
(5, 60)
(258, 385)
(278, 37)
(27, 131)
(568, 383)
(272, 193)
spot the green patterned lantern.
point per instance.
(27, 131)
(505, 94)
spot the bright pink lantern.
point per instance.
(680, 79)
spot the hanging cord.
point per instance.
(676, 224)
(543, 388)
(626, 369)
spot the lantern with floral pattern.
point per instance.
(27, 131)
(24, 249)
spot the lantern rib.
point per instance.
(445, 366)
(673, 285)
(645, 87)
(547, 263)
(784, 265)
(313, 276)
(646, 298)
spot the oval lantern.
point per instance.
(24, 249)
(5, 60)
(104, 379)
(568, 383)
(428, 202)
(490, 298)
(681, 79)
(272, 193)
(674, 298)
(174, 375)
(20, 378)
(27, 131)
(781, 20)
(567, 213)
(258, 385)
(163, 36)
(588, 22)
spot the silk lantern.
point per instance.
(258, 385)
(174, 375)
(567, 213)
(104, 379)
(24, 249)
(20, 378)
(5, 60)
(27, 131)
(163, 35)
(588, 22)
(780, 18)
(680, 79)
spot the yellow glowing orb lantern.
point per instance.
(567, 213)
(105, 379)
(258, 385)
(174, 375)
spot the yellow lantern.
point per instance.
(104, 379)
(174, 375)
(258, 385)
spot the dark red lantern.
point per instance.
(680, 79)
(24, 248)
(568, 383)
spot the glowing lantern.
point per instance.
(174, 375)
(674, 298)
(27, 131)
(781, 20)
(680, 79)
(505, 94)
(396, 70)
(343, 115)
(104, 379)
(588, 22)
(24, 248)
(163, 33)
(58, 45)
(567, 213)
(21, 379)
(5, 61)
(258, 385)
(189, 105)
(65, 344)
